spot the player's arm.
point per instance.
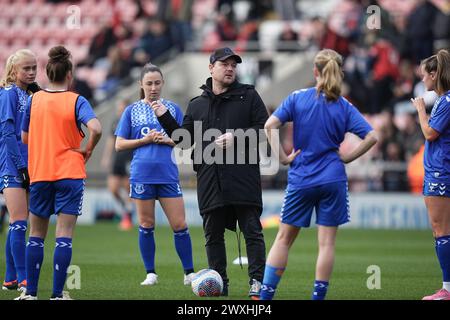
(429, 133)
(126, 144)
(9, 136)
(272, 125)
(26, 122)
(95, 133)
(86, 116)
(368, 142)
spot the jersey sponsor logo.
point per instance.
(145, 131)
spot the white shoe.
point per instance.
(25, 296)
(152, 278)
(65, 296)
(22, 289)
(188, 278)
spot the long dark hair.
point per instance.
(146, 69)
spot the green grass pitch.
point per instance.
(111, 266)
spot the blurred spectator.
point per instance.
(394, 178)
(286, 10)
(288, 40)
(248, 39)
(260, 9)
(384, 59)
(441, 29)
(419, 31)
(154, 43)
(118, 68)
(178, 14)
(404, 86)
(342, 26)
(100, 44)
(81, 87)
(356, 69)
(411, 137)
(225, 27)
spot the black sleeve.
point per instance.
(259, 112)
(184, 138)
(168, 123)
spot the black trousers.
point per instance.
(214, 224)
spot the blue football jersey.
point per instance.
(13, 101)
(152, 163)
(319, 129)
(437, 152)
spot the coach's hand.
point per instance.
(25, 178)
(158, 107)
(225, 141)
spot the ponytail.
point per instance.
(329, 64)
(439, 63)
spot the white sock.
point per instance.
(446, 286)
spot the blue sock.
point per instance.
(61, 261)
(18, 245)
(147, 247)
(443, 253)
(183, 245)
(35, 256)
(272, 277)
(320, 290)
(10, 274)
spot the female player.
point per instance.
(436, 187)
(52, 130)
(317, 178)
(20, 73)
(153, 174)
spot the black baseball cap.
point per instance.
(222, 54)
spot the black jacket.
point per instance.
(240, 107)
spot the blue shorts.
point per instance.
(435, 189)
(154, 191)
(55, 197)
(329, 200)
(10, 182)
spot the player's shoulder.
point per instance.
(446, 98)
(304, 92)
(169, 103)
(134, 105)
(10, 90)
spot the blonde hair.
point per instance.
(329, 64)
(439, 63)
(10, 73)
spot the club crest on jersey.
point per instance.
(139, 188)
